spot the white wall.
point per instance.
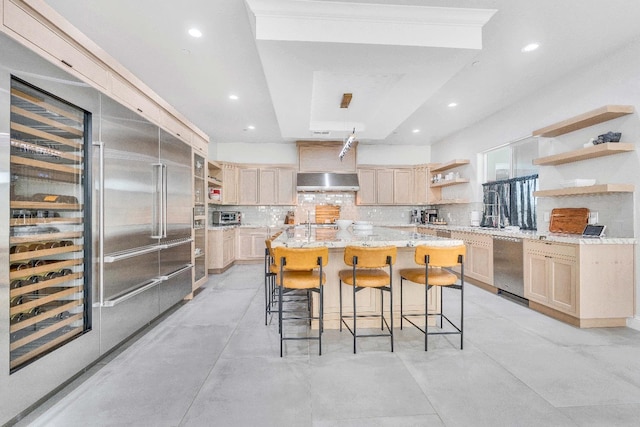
(286, 153)
(612, 80)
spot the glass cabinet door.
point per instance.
(199, 217)
(49, 239)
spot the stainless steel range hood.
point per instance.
(321, 181)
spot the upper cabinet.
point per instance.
(223, 183)
(385, 186)
(266, 185)
(440, 176)
(323, 156)
(55, 39)
(591, 118)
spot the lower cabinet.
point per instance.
(588, 285)
(550, 272)
(479, 260)
(251, 243)
(222, 248)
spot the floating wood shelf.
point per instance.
(602, 114)
(449, 202)
(450, 182)
(450, 165)
(592, 189)
(592, 152)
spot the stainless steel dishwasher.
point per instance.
(508, 265)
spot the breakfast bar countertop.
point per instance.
(303, 236)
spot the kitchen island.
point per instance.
(367, 300)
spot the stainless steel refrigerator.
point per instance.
(143, 183)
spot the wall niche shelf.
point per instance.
(592, 189)
(449, 165)
(599, 115)
(600, 150)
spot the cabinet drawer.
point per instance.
(48, 40)
(551, 249)
(200, 144)
(174, 126)
(134, 99)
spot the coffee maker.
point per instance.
(416, 216)
(429, 216)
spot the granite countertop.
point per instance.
(332, 237)
(537, 235)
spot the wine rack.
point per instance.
(48, 272)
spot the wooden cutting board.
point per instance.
(568, 220)
(327, 214)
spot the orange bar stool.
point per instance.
(367, 271)
(301, 269)
(437, 261)
(270, 273)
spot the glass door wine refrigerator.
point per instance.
(49, 237)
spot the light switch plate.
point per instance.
(593, 217)
(547, 217)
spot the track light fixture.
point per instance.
(347, 144)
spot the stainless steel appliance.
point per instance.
(508, 265)
(145, 217)
(319, 181)
(429, 216)
(225, 217)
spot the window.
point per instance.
(510, 180)
(512, 160)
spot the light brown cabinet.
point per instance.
(221, 248)
(251, 243)
(385, 186)
(478, 263)
(230, 184)
(585, 285)
(551, 275)
(421, 185)
(266, 186)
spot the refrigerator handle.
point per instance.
(164, 200)
(158, 202)
(100, 146)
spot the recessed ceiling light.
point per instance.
(416, 131)
(233, 97)
(452, 104)
(251, 127)
(194, 32)
(530, 47)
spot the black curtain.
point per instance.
(510, 202)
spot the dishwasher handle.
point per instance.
(508, 239)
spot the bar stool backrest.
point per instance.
(301, 258)
(440, 256)
(370, 257)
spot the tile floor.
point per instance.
(213, 362)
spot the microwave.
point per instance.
(225, 217)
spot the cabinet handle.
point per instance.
(66, 63)
(139, 110)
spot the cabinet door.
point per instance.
(248, 186)
(228, 247)
(403, 186)
(367, 193)
(562, 284)
(286, 188)
(481, 261)
(267, 185)
(384, 186)
(536, 278)
(420, 185)
(215, 240)
(53, 45)
(229, 185)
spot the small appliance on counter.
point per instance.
(429, 216)
(416, 216)
(225, 217)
